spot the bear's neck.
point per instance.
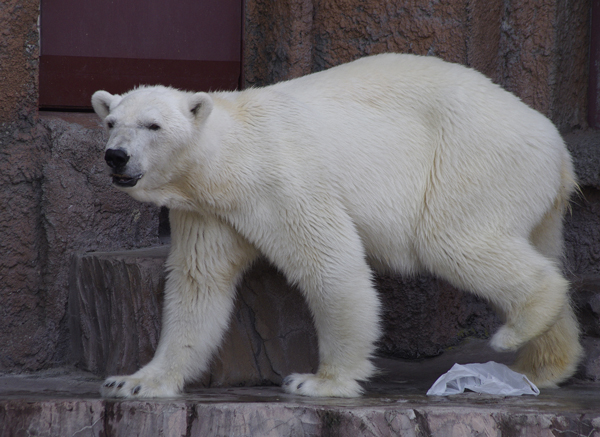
(217, 173)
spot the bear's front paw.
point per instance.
(308, 384)
(137, 387)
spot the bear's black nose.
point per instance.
(116, 158)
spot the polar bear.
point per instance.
(393, 162)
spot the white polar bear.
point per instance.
(398, 162)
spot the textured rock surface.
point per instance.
(586, 297)
(423, 316)
(259, 415)
(25, 340)
(57, 199)
(584, 146)
(19, 51)
(22, 247)
(536, 49)
(115, 305)
(590, 367)
(582, 236)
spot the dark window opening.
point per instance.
(115, 46)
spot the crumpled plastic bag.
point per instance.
(490, 378)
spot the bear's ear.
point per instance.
(200, 105)
(101, 101)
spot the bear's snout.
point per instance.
(116, 158)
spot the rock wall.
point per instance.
(22, 151)
(57, 199)
(19, 51)
(537, 49)
(22, 246)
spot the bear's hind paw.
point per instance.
(307, 384)
(506, 340)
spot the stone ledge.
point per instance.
(55, 403)
(265, 412)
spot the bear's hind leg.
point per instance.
(529, 291)
(530, 309)
(552, 357)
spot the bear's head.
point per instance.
(151, 132)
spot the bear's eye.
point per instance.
(153, 126)
(110, 124)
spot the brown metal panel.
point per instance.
(70, 81)
(115, 45)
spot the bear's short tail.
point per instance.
(547, 236)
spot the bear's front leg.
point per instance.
(318, 248)
(206, 261)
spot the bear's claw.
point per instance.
(307, 384)
(137, 387)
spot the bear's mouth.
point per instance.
(122, 180)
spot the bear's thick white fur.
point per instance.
(397, 162)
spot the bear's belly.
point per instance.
(388, 246)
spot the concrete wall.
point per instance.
(57, 200)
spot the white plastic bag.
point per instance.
(490, 378)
